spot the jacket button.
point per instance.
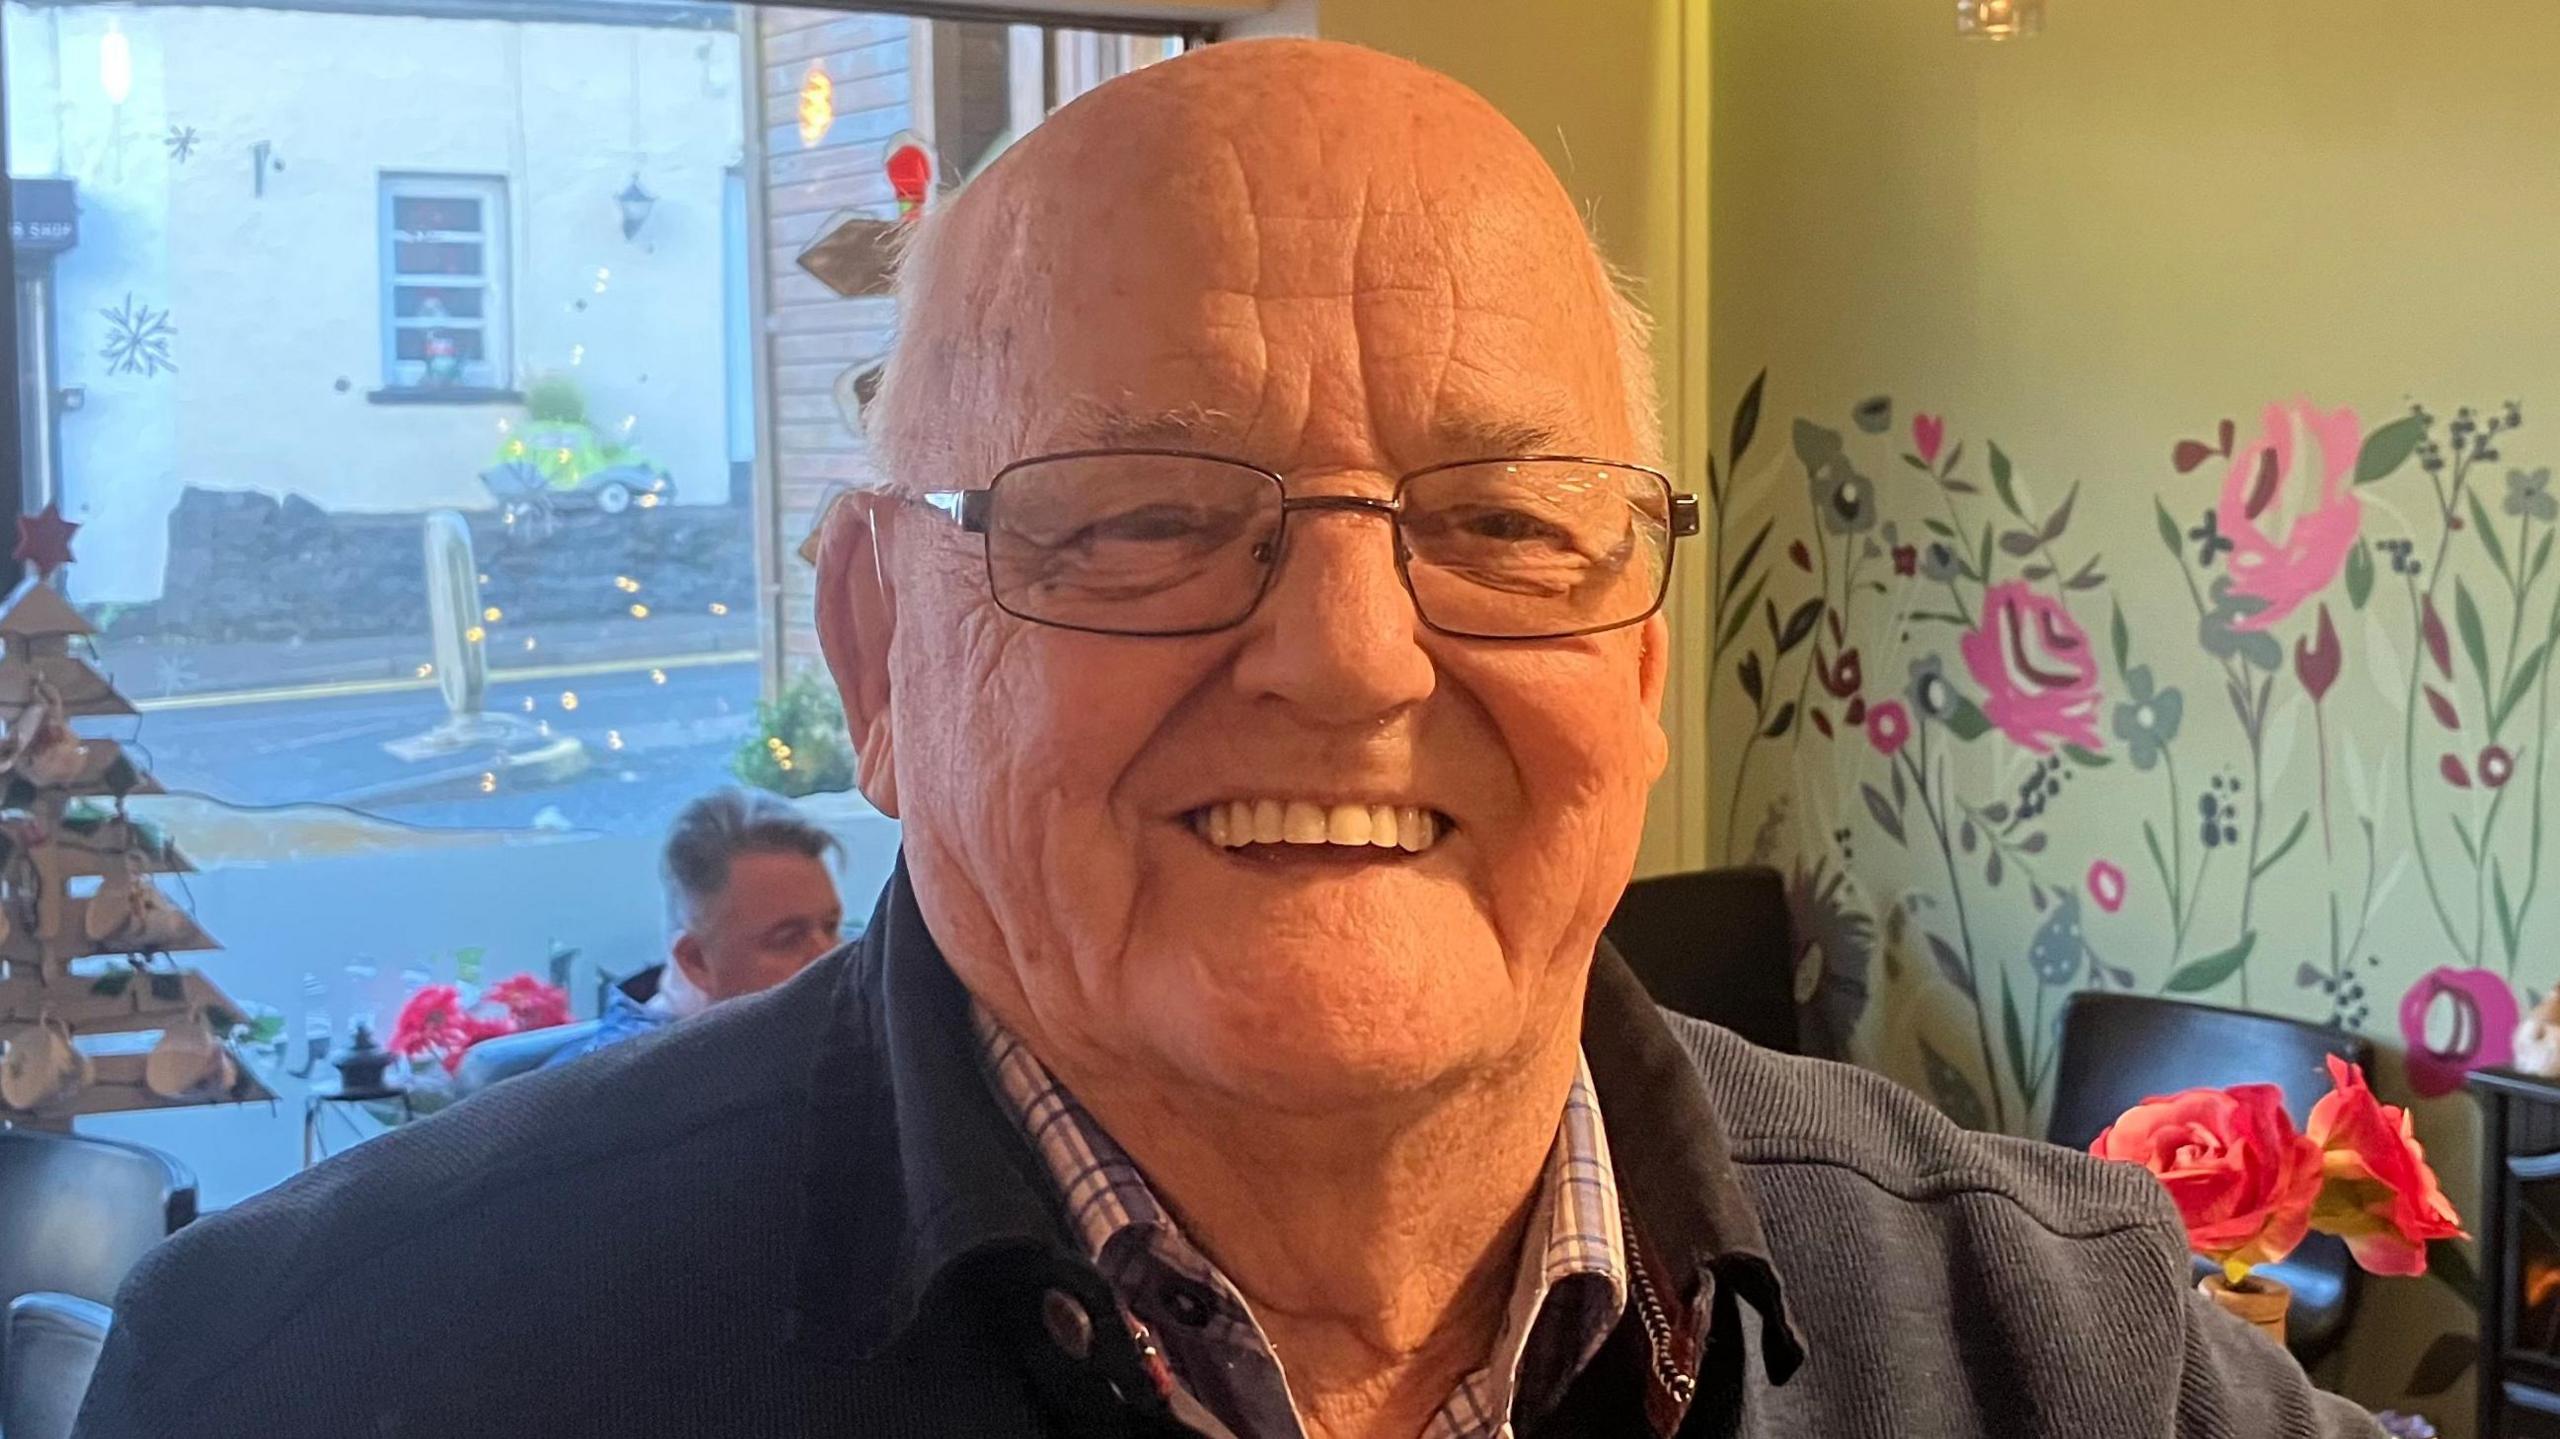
(1070, 1328)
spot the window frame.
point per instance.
(494, 372)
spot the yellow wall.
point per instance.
(1611, 92)
(2085, 247)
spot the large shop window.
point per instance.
(442, 396)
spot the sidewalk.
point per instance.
(146, 670)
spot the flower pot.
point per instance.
(2256, 1300)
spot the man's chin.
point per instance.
(1299, 1022)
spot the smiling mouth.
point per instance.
(1273, 824)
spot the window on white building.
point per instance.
(444, 252)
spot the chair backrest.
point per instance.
(2121, 1049)
(46, 1356)
(1715, 945)
(79, 1211)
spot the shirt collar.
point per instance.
(1576, 1223)
(912, 1170)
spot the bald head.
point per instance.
(1120, 276)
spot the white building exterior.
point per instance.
(272, 277)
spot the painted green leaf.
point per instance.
(2168, 531)
(1875, 414)
(1885, 818)
(2086, 758)
(2506, 908)
(1742, 562)
(2475, 636)
(2018, 544)
(1954, 458)
(2122, 639)
(2470, 846)
(2489, 540)
(1781, 722)
(1954, 1094)
(2212, 971)
(1799, 626)
(1816, 446)
(2541, 558)
(2360, 573)
(1746, 421)
(1951, 966)
(2527, 670)
(1939, 528)
(1982, 566)
(2388, 448)
(1741, 614)
(1942, 617)
(2014, 1036)
(2060, 519)
(1967, 722)
(2160, 861)
(2001, 481)
(2292, 838)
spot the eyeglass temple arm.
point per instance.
(968, 508)
(1684, 515)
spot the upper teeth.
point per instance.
(1237, 822)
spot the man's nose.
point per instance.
(1337, 636)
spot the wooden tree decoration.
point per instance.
(85, 933)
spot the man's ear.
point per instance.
(857, 619)
(1653, 677)
(686, 951)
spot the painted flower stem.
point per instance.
(2409, 762)
(1964, 925)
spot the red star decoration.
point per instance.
(44, 540)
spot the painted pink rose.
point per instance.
(2291, 518)
(2037, 669)
(1889, 728)
(2478, 1031)
(2106, 885)
(1928, 436)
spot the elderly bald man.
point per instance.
(1258, 638)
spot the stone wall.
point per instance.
(246, 566)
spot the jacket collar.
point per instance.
(911, 1169)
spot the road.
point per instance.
(655, 738)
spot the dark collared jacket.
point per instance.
(806, 1214)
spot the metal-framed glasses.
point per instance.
(1176, 542)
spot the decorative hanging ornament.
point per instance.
(910, 165)
(44, 540)
(130, 913)
(42, 748)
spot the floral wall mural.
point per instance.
(2266, 726)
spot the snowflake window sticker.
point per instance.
(181, 142)
(138, 340)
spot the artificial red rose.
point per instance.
(2243, 1178)
(2382, 1197)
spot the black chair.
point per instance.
(79, 1211)
(46, 1357)
(1715, 945)
(2121, 1049)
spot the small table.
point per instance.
(317, 1100)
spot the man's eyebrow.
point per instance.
(1181, 427)
(1467, 437)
